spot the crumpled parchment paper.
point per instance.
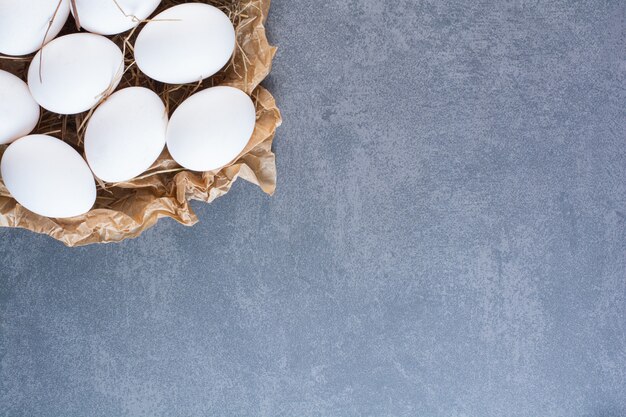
(125, 210)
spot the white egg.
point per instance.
(19, 113)
(48, 177)
(126, 134)
(23, 24)
(185, 44)
(76, 72)
(109, 17)
(211, 128)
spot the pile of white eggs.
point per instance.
(129, 128)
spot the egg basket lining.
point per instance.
(164, 189)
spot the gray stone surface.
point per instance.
(448, 237)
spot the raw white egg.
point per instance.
(23, 24)
(76, 72)
(126, 134)
(48, 177)
(211, 128)
(108, 18)
(185, 43)
(19, 113)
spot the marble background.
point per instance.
(448, 237)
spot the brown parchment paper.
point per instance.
(125, 210)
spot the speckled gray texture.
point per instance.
(448, 237)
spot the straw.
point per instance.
(71, 128)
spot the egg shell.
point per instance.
(106, 18)
(211, 128)
(23, 24)
(125, 134)
(77, 71)
(48, 177)
(185, 43)
(19, 113)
